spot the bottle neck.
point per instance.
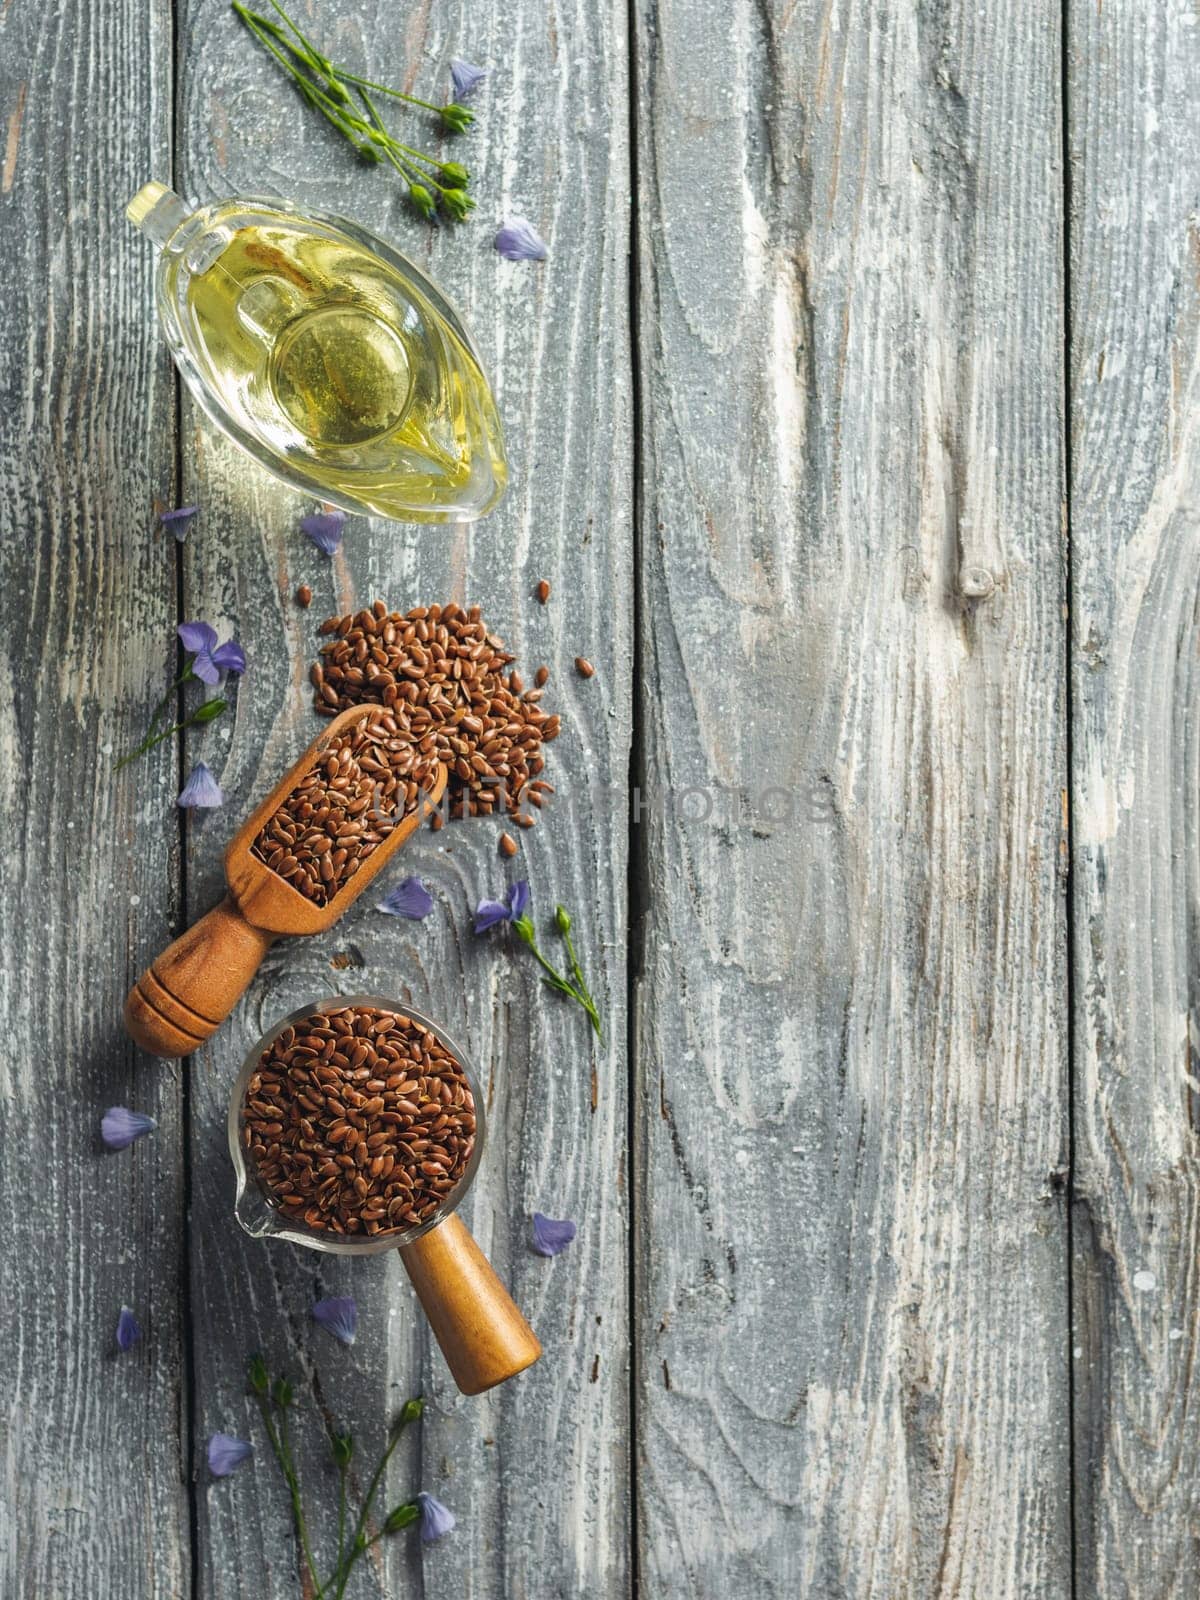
(158, 212)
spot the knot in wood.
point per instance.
(976, 583)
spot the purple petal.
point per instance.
(201, 789)
(338, 1317)
(178, 520)
(324, 528)
(488, 913)
(206, 668)
(229, 656)
(196, 636)
(409, 898)
(465, 77)
(518, 899)
(128, 1331)
(226, 1454)
(436, 1519)
(549, 1237)
(519, 240)
(119, 1127)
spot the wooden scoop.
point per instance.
(191, 988)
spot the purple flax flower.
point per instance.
(511, 909)
(226, 1454)
(338, 1317)
(119, 1127)
(465, 77)
(549, 1237)
(128, 1331)
(410, 898)
(519, 240)
(201, 789)
(200, 639)
(178, 520)
(324, 528)
(436, 1519)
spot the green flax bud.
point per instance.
(208, 711)
(457, 202)
(421, 198)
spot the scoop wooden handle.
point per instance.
(193, 986)
(483, 1336)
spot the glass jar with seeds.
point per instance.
(356, 1125)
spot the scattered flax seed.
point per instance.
(585, 669)
(448, 683)
(542, 677)
(543, 591)
(358, 1121)
(508, 845)
(304, 596)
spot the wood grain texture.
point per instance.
(852, 1093)
(1135, 406)
(538, 1470)
(94, 1502)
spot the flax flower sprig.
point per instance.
(276, 1401)
(206, 660)
(342, 97)
(514, 909)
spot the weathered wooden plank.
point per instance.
(537, 1472)
(1135, 408)
(851, 1043)
(94, 1499)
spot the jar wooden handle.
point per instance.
(483, 1336)
(192, 987)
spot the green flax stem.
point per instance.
(283, 1456)
(185, 676)
(358, 1545)
(324, 87)
(581, 981)
(152, 738)
(382, 88)
(341, 1515)
(322, 63)
(333, 111)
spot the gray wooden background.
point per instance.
(855, 419)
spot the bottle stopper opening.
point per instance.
(157, 211)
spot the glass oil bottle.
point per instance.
(326, 355)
